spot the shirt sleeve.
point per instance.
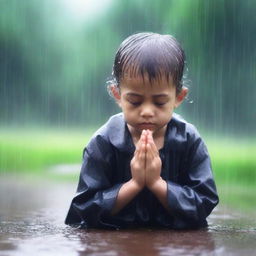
(95, 195)
(193, 198)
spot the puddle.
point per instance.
(31, 223)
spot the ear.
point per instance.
(181, 96)
(115, 91)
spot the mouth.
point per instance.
(146, 126)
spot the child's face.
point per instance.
(148, 105)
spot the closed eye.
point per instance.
(159, 104)
(137, 103)
(133, 102)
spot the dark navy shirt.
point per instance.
(186, 167)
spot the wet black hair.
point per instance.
(150, 54)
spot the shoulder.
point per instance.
(104, 138)
(181, 132)
(185, 138)
(112, 129)
(183, 127)
(113, 124)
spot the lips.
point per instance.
(147, 125)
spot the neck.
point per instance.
(160, 133)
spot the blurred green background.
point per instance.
(57, 55)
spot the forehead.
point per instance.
(142, 84)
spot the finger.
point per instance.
(141, 139)
(154, 148)
(136, 152)
(150, 152)
(153, 145)
(148, 147)
(143, 149)
(142, 152)
(143, 132)
(150, 134)
(138, 144)
(143, 135)
(144, 156)
(147, 135)
(137, 149)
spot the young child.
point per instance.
(146, 166)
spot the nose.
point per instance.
(147, 111)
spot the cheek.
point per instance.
(127, 108)
(165, 114)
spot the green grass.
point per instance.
(233, 160)
(234, 169)
(238, 197)
(32, 151)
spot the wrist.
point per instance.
(135, 186)
(157, 185)
(159, 189)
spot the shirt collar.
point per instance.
(119, 134)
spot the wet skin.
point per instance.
(148, 105)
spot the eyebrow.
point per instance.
(154, 96)
(161, 95)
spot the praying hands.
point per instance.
(145, 170)
(146, 163)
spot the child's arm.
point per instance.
(192, 201)
(131, 188)
(145, 168)
(96, 193)
(154, 181)
(192, 198)
(97, 198)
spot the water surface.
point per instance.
(31, 223)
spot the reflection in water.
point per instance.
(31, 223)
(146, 242)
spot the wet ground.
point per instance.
(31, 223)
